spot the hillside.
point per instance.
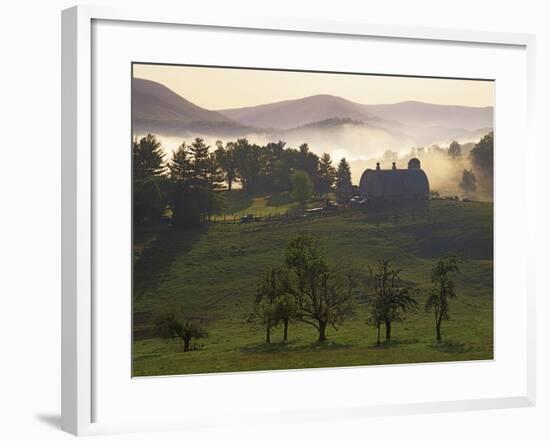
(300, 112)
(419, 114)
(294, 113)
(172, 266)
(327, 123)
(156, 108)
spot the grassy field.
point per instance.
(213, 272)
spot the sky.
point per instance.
(224, 88)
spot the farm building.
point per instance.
(395, 184)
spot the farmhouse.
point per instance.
(395, 184)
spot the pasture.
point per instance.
(212, 273)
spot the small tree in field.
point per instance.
(375, 318)
(269, 307)
(302, 187)
(323, 297)
(391, 300)
(442, 291)
(168, 326)
(285, 311)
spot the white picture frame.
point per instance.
(79, 200)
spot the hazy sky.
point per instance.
(219, 88)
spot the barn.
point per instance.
(395, 184)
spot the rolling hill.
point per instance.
(158, 109)
(174, 269)
(323, 121)
(419, 114)
(294, 113)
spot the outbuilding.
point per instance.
(395, 184)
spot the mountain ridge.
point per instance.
(158, 109)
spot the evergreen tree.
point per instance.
(180, 164)
(343, 175)
(148, 192)
(147, 157)
(195, 177)
(200, 160)
(327, 174)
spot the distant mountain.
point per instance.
(326, 122)
(158, 109)
(300, 112)
(419, 114)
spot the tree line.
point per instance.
(306, 289)
(481, 172)
(188, 182)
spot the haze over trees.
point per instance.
(189, 182)
(482, 159)
(468, 182)
(454, 151)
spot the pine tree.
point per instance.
(180, 164)
(147, 157)
(148, 186)
(343, 175)
(327, 174)
(200, 160)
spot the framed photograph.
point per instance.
(284, 221)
